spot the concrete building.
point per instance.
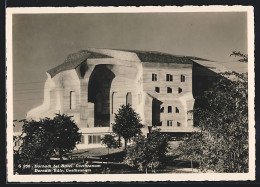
(92, 84)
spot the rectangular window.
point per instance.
(98, 139)
(72, 100)
(154, 77)
(169, 90)
(177, 110)
(179, 90)
(90, 139)
(182, 78)
(157, 89)
(178, 124)
(82, 139)
(169, 123)
(169, 109)
(169, 77)
(94, 139)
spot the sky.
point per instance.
(43, 41)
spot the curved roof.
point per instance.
(75, 59)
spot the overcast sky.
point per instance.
(42, 41)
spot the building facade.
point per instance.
(92, 84)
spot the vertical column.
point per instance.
(84, 103)
(85, 121)
(148, 110)
(90, 115)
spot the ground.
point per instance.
(100, 162)
(113, 161)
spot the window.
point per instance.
(169, 109)
(82, 140)
(178, 124)
(157, 89)
(177, 110)
(179, 90)
(90, 139)
(169, 90)
(94, 139)
(72, 100)
(162, 110)
(168, 77)
(169, 123)
(129, 98)
(154, 77)
(182, 78)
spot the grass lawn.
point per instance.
(92, 152)
(114, 161)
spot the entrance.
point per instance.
(99, 94)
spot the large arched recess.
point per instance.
(99, 94)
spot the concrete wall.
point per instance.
(161, 69)
(183, 101)
(57, 92)
(124, 81)
(71, 92)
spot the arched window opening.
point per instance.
(72, 100)
(129, 98)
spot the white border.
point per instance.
(130, 177)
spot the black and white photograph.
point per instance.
(130, 94)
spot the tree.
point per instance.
(110, 142)
(45, 138)
(221, 144)
(16, 156)
(243, 57)
(127, 123)
(148, 153)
